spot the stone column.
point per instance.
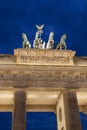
(19, 111)
(68, 117)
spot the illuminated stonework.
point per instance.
(44, 80)
(44, 57)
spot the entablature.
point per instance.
(43, 76)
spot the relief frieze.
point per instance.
(43, 76)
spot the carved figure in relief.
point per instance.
(26, 43)
(62, 44)
(50, 43)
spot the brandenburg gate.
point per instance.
(44, 80)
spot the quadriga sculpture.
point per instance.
(26, 43)
(62, 44)
(38, 42)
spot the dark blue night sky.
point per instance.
(37, 121)
(59, 16)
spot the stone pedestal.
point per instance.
(68, 117)
(19, 112)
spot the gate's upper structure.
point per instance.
(44, 79)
